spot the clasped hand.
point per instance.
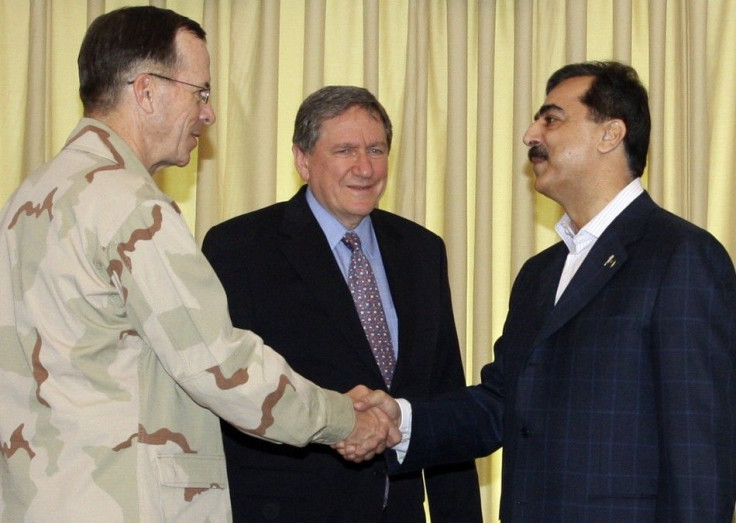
(377, 420)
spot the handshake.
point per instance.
(377, 420)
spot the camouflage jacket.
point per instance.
(114, 334)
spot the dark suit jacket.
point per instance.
(618, 403)
(283, 282)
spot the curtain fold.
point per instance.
(35, 115)
(461, 80)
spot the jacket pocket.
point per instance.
(193, 487)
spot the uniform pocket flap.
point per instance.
(192, 470)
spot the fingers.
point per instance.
(377, 419)
(358, 392)
(369, 436)
(380, 400)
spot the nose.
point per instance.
(207, 114)
(531, 136)
(363, 165)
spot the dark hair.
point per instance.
(120, 41)
(329, 102)
(616, 92)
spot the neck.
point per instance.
(584, 208)
(130, 133)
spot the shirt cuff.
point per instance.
(405, 427)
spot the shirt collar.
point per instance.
(334, 230)
(592, 230)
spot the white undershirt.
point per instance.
(579, 244)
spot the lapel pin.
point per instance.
(610, 262)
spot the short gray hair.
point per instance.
(329, 102)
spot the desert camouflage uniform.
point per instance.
(113, 331)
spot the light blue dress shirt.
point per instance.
(334, 231)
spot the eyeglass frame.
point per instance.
(204, 92)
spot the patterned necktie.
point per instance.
(363, 287)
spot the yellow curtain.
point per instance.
(461, 81)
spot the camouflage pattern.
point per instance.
(114, 333)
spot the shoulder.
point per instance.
(248, 225)
(645, 224)
(390, 223)
(668, 232)
(105, 198)
(666, 224)
(677, 239)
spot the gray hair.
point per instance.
(329, 102)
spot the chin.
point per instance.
(540, 186)
(364, 208)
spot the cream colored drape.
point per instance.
(461, 81)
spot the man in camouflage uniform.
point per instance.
(114, 332)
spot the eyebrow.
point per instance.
(379, 143)
(545, 109)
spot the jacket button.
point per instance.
(525, 432)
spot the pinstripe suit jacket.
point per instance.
(619, 402)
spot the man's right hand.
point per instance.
(376, 425)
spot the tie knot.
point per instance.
(352, 240)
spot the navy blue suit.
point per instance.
(283, 282)
(619, 402)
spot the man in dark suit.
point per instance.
(613, 390)
(286, 269)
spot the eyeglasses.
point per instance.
(204, 92)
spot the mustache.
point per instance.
(538, 151)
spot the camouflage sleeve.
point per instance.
(177, 304)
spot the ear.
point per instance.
(301, 161)
(143, 90)
(614, 132)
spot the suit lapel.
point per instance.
(305, 247)
(601, 264)
(606, 258)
